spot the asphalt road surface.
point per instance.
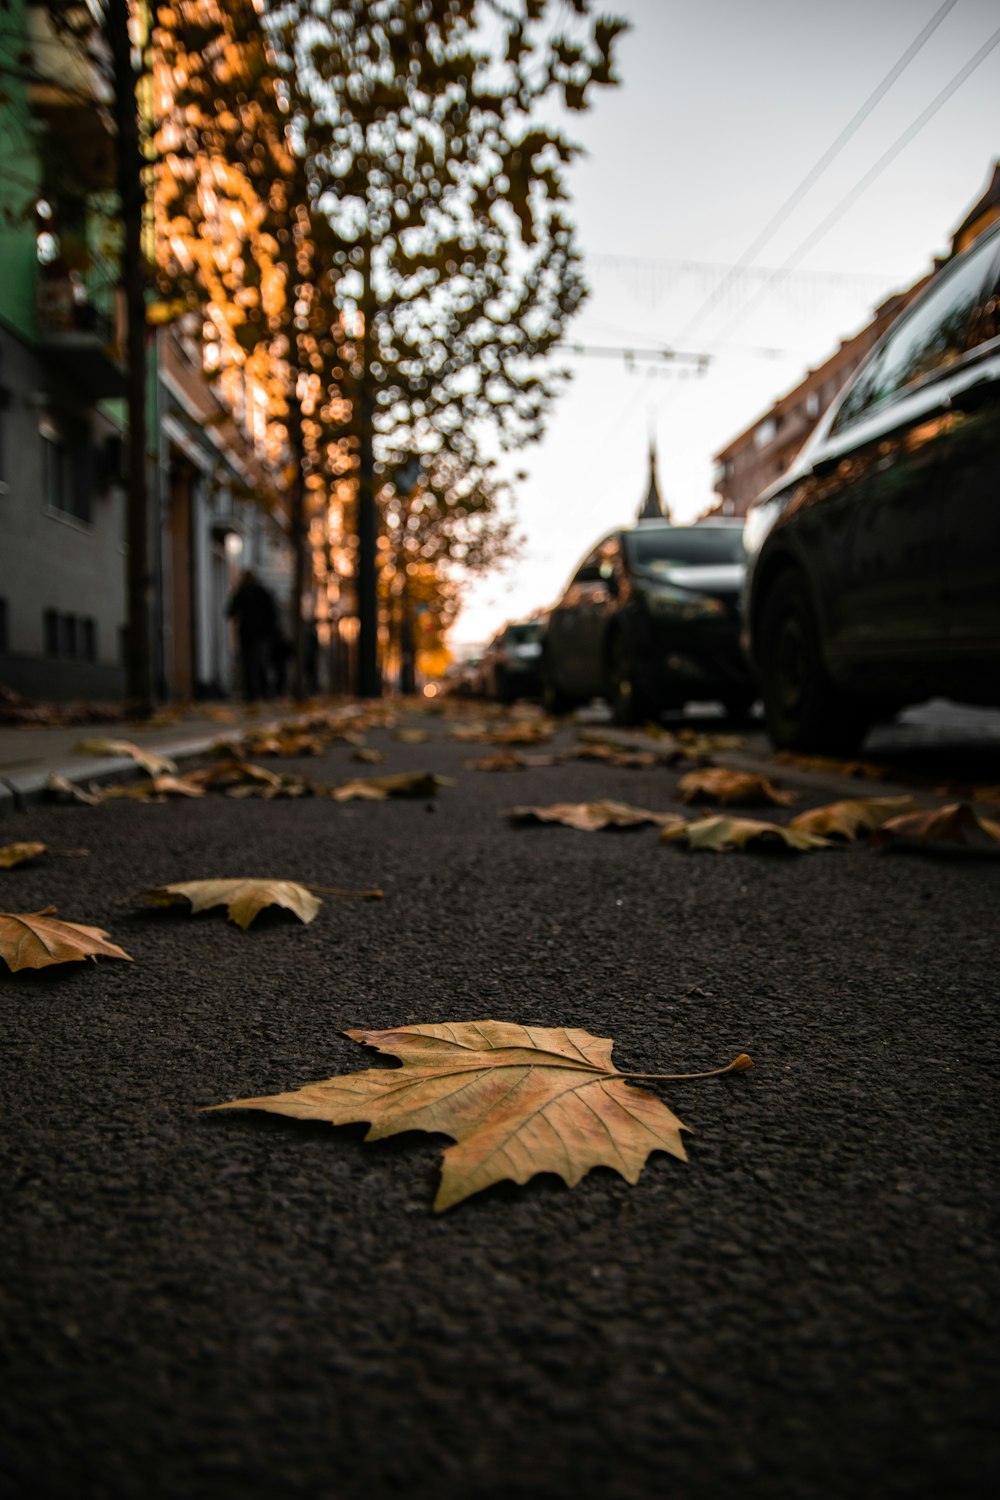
(237, 1306)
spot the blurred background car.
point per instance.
(650, 620)
(510, 666)
(873, 576)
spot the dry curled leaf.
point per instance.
(233, 772)
(285, 743)
(16, 854)
(845, 820)
(525, 732)
(156, 789)
(412, 736)
(720, 784)
(150, 761)
(589, 817)
(243, 899)
(378, 788)
(862, 769)
(720, 832)
(36, 940)
(517, 1100)
(368, 757)
(947, 830)
(510, 760)
(613, 755)
(58, 787)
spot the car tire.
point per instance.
(803, 707)
(629, 705)
(554, 700)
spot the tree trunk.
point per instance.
(369, 685)
(297, 528)
(138, 652)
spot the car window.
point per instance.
(688, 545)
(523, 635)
(943, 326)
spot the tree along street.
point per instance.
(237, 1304)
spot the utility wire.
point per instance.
(815, 172)
(866, 181)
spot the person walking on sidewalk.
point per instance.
(253, 608)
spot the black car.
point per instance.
(873, 575)
(510, 665)
(650, 620)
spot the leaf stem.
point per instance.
(336, 890)
(738, 1065)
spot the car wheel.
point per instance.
(554, 700)
(628, 704)
(804, 708)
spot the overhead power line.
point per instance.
(869, 177)
(817, 170)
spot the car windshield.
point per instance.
(691, 546)
(523, 635)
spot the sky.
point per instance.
(724, 109)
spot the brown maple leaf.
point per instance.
(243, 899)
(845, 820)
(948, 830)
(720, 784)
(156, 765)
(517, 1100)
(720, 832)
(16, 854)
(378, 788)
(589, 817)
(857, 768)
(36, 940)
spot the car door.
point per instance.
(874, 509)
(972, 498)
(574, 627)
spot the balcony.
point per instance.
(79, 327)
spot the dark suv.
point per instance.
(650, 620)
(874, 565)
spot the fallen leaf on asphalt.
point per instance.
(589, 817)
(693, 745)
(857, 768)
(287, 743)
(16, 854)
(517, 1100)
(720, 784)
(528, 732)
(155, 764)
(845, 820)
(510, 760)
(949, 830)
(233, 772)
(368, 757)
(156, 789)
(58, 787)
(614, 755)
(411, 736)
(739, 833)
(378, 788)
(36, 940)
(243, 899)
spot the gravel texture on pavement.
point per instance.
(238, 1306)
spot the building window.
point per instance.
(88, 640)
(67, 465)
(68, 636)
(812, 404)
(50, 624)
(765, 432)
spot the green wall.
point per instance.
(20, 175)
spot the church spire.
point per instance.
(653, 508)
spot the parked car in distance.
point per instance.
(649, 621)
(873, 575)
(510, 664)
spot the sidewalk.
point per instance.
(31, 753)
